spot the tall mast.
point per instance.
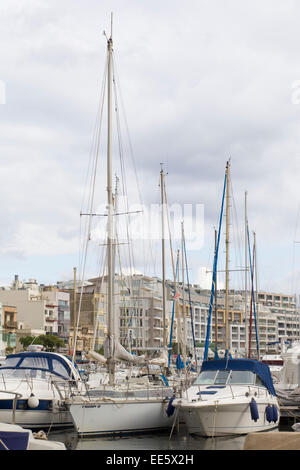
(110, 273)
(74, 312)
(114, 244)
(183, 291)
(216, 307)
(227, 261)
(246, 273)
(256, 293)
(163, 254)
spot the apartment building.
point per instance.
(277, 320)
(138, 313)
(88, 316)
(40, 308)
(8, 327)
(138, 317)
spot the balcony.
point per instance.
(10, 325)
(51, 319)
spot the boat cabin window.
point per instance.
(222, 377)
(11, 362)
(242, 377)
(35, 363)
(228, 377)
(206, 377)
(58, 368)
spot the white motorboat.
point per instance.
(230, 397)
(288, 386)
(31, 386)
(13, 437)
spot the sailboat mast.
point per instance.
(227, 261)
(163, 255)
(183, 290)
(246, 273)
(110, 252)
(256, 294)
(216, 306)
(75, 312)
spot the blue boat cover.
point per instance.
(47, 357)
(257, 367)
(10, 440)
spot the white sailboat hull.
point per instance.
(38, 419)
(95, 418)
(223, 419)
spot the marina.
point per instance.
(177, 333)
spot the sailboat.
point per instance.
(136, 405)
(230, 396)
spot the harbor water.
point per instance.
(159, 441)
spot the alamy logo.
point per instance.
(145, 223)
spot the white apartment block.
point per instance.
(139, 316)
(38, 308)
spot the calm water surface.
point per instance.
(158, 441)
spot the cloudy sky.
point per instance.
(202, 81)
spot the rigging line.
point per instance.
(152, 240)
(190, 301)
(99, 303)
(88, 225)
(172, 316)
(124, 183)
(122, 281)
(92, 171)
(172, 255)
(215, 266)
(143, 242)
(294, 281)
(96, 127)
(95, 139)
(128, 134)
(254, 306)
(117, 81)
(237, 244)
(169, 230)
(257, 267)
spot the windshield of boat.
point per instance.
(227, 377)
(34, 366)
(23, 374)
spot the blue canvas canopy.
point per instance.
(45, 361)
(259, 368)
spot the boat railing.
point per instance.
(17, 396)
(252, 390)
(67, 388)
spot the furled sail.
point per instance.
(162, 360)
(96, 356)
(113, 349)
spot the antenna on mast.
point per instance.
(111, 28)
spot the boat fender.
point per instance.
(33, 402)
(270, 413)
(254, 410)
(275, 413)
(170, 408)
